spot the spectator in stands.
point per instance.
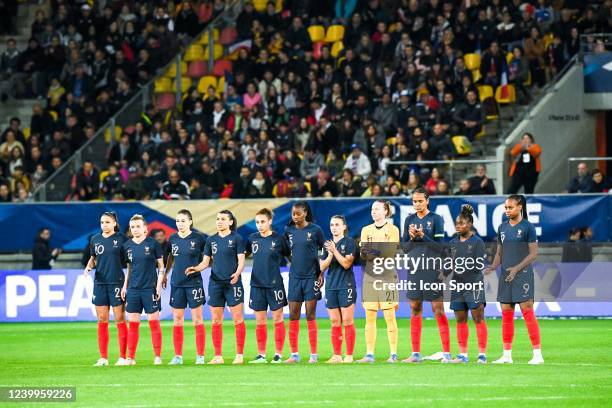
(534, 52)
(571, 249)
(526, 166)
(311, 164)
(441, 143)
(518, 74)
(599, 182)
(112, 183)
(469, 116)
(174, 188)
(159, 235)
(124, 150)
(432, 182)
(42, 254)
(491, 65)
(464, 187)
(583, 180)
(9, 67)
(442, 188)
(323, 185)
(260, 186)
(480, 184)
(10, 143)
(87, 182)
(586, 243)
(358, 162)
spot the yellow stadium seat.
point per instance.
(206, 82)
(194, 53)
(27, 132)
(260, 5)
(462, 145)
(217, 52)
(171, 73)
(392, 140)
(337, 48)
(54, 115)
(108, 135)
(185, 84)
(103, 174)
(485, 92)
(548, 39)
(334, 33)
(221, 85)
(163, 84)
(204, 37)
(480, 134)
(476, 76)
(528, 81)
(316, 33)
(510, 98)
(472, 61)
(509, 57)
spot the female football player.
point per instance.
(226, 251)
(467, 246)
(186, 248)
(340, 288)
(305, 239)
(517, 249)
(381, 238)
(105, 256)
(422, 230)
(142, 286)
(268, 249)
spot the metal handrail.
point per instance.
(41, 190)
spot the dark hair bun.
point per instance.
(467, 209)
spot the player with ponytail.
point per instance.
(517, 249)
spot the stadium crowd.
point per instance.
(388, 80)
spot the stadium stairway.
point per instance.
(21, 108)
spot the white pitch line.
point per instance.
(336, 384)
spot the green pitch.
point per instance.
(578, 370)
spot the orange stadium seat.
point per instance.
(165, 101)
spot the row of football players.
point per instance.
(302, 243)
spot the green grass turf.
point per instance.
(578, 370)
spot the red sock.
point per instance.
(156, 337)
(279, 337)
(103, 339)
(217, 338)
(416, 324)
(132, 342)
(240, 330)
(177, 338)
(294, 334)
(122, 334)
(312, 335)
(200, 339)
(532, 327)
(349, 334)
(336, 339)
(482, 334)
(507, 328)
(444, 332)
(463, 333)
(261, 333)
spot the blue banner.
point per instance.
(65, 295)
(553, 216)
(72, 223)
(598, 72)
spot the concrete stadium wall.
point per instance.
(561, 126)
